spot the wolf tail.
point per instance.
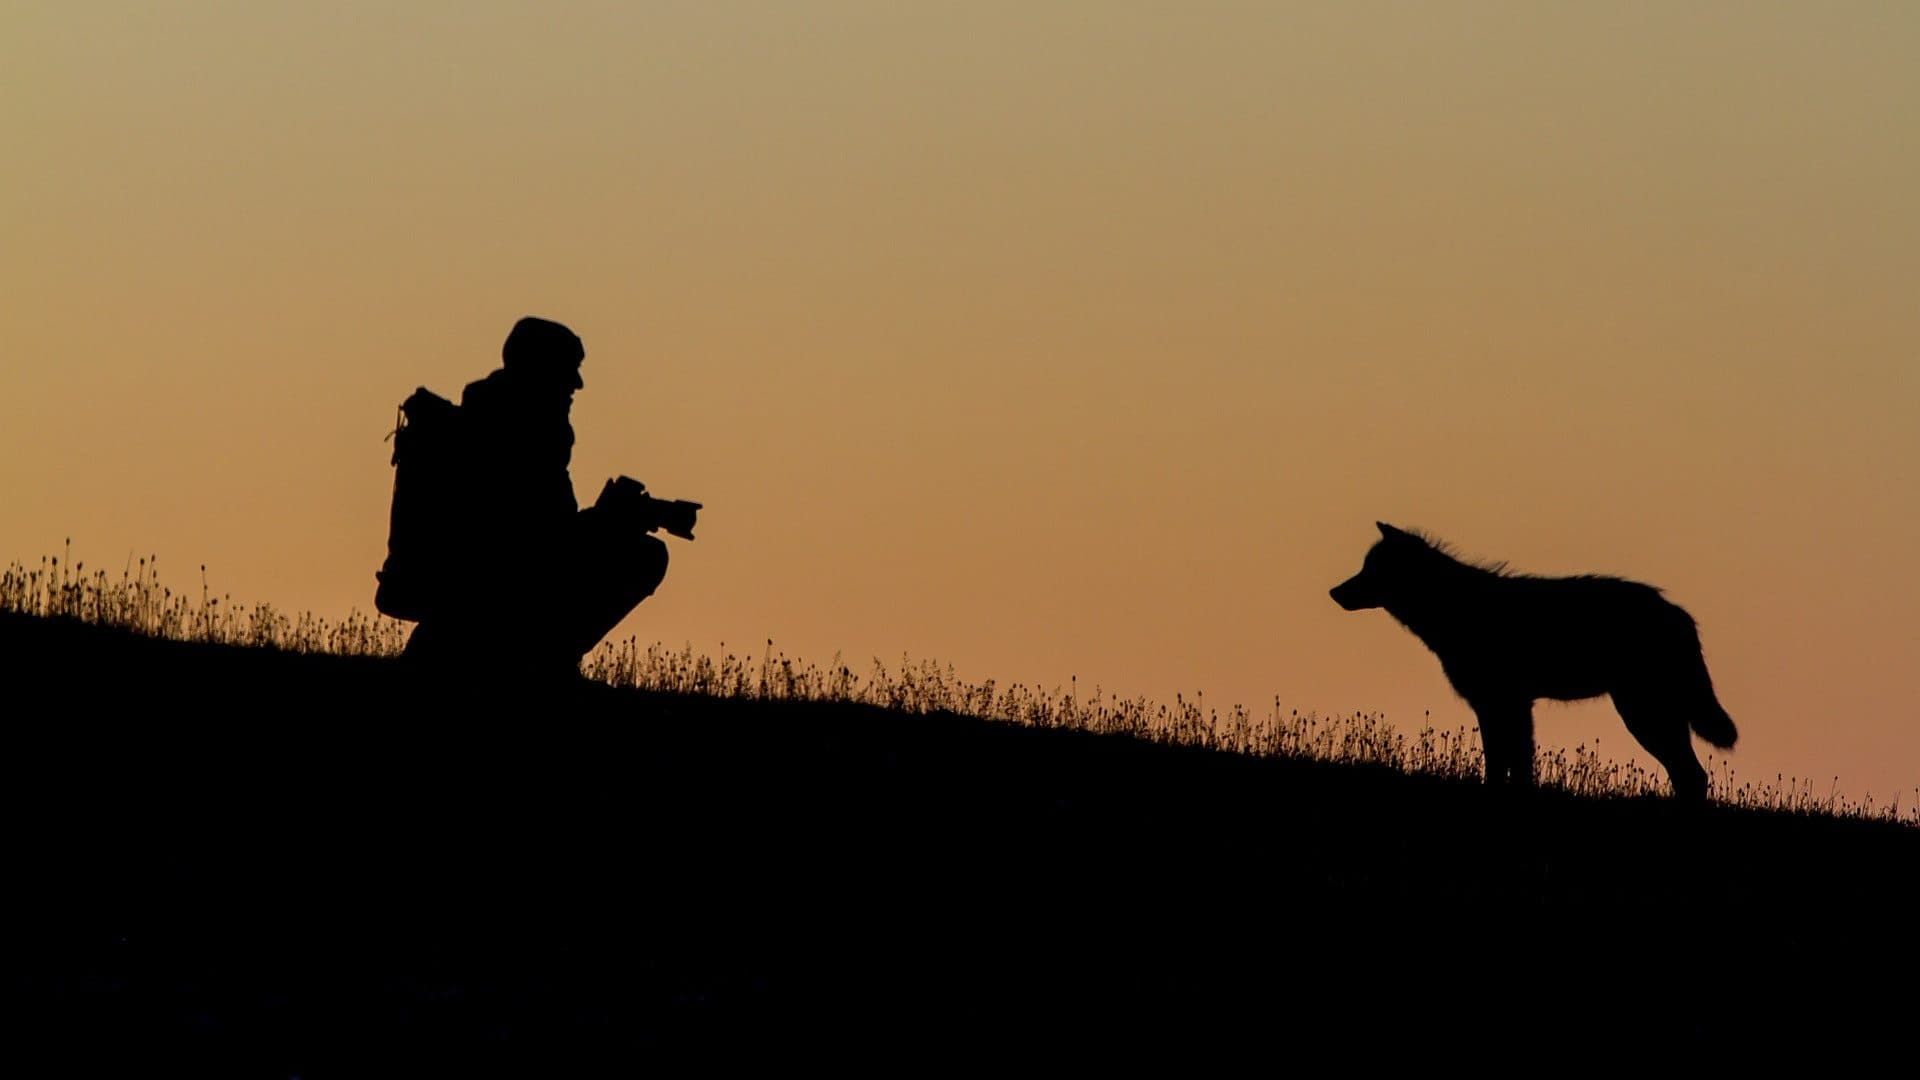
(1705, 715)
(1713, 724)
(1682, 668)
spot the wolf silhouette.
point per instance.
(1506, 640)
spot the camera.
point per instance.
(627, 498)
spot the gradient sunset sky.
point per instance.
(1049, 340)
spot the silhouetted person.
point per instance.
(489, 551)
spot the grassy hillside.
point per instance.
(287, 862)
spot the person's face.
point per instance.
(562, 379)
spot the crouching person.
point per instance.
(487, 550)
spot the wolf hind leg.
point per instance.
(1659, 725)
(1506, 741)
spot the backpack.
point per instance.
(429, 498)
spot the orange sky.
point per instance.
(1082, 341)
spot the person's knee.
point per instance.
(645, 567)
(653, 558)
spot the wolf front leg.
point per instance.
(1506, 740)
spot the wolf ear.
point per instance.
(1388, 532)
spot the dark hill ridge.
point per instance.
(287, 862)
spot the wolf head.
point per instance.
(1391, 566)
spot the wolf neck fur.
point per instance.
(1449, 593)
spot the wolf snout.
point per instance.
(1347, 595)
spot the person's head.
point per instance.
(546, 352)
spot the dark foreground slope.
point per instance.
(304, 865)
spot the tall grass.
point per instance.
(135, 600)
(1357, 738)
